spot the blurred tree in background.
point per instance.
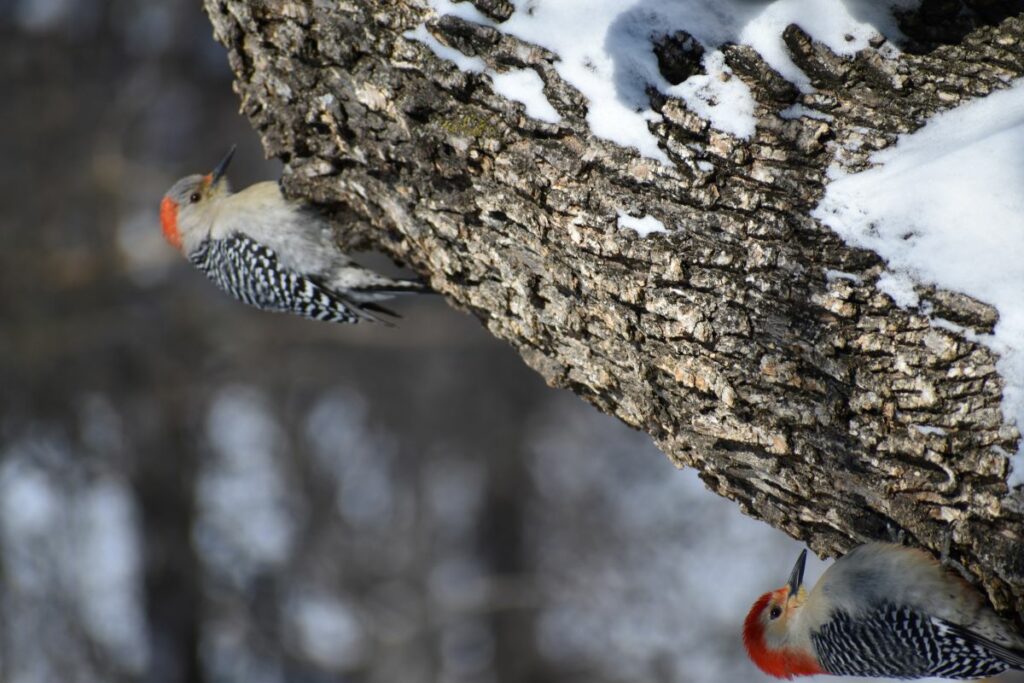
(192, 490)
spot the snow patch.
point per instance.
(945, 206)
(605, 50)
(900, 287)
(521, 85)
(831, 275)
(526, 87)
(928, 430)
(845, 26)
(797, 111)
(719, 97)
(465, 63)
(644, 226)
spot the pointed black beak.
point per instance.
(796, 577)
(218, 172)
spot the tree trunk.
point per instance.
(794, 394)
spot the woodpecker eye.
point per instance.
(775, 613)
(194, 197)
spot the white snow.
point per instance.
(945, 206)
(831, 275)
(464, 62)
(644, 226)
(796, 111)
(899, 286)
(845, 26)
(719, 97)
(605, 50)
(930, 429)
(524, 85)
(520, 85)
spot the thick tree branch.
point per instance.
(798, 395)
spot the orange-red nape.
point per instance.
(781, 663)
(169, 221)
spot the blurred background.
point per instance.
(192, 490)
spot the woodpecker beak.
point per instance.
(796, 577)
(218, 172)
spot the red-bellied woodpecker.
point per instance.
(882, 610)
(271, 252)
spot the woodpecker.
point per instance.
(271, 252)
(881, 610)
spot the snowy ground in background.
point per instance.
(639, 572)
(945, 206)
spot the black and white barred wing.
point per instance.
(897, 641)
(250, 272)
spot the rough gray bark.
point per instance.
(793, 395)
